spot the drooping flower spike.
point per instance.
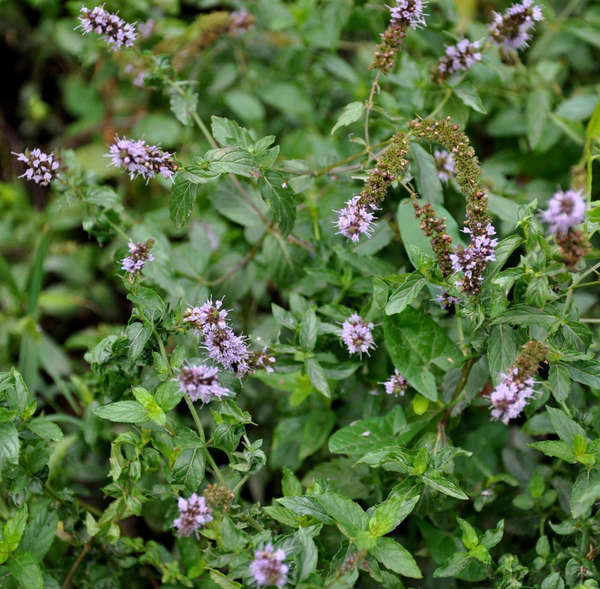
(116, 32)
(42, 167)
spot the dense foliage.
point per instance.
(300, 294)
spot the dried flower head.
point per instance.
(396, 385)
(444, 163)
(458, 58)
(268, 568)
(512, 30)
(193, 514)
(42, 167)
(116, 32)
(356, 334)
(139, 254)
(218, 497)
(140, 159)
(565, 211)
(201, 382)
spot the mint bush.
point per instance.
(300, 294)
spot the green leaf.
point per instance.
(405, 294)
(149, 303)
(228, 160)
(317, 376)
(556, 449)
(183, 197)
(306, 506)
(138, 335)
(352, 112)
(586, 372)
(470, 539)
(281, 202)
(443, 485)
(593, 127)
(40, 533)
(585, 492)
(348, 515)
(389, 514)
(470, 97)
(9, 445)
(538, 107)
(26, 571)
(45, 429)
(416, 343)
(308, 554)
(308, 330)
(564, 426)
(396, 558)
(11, 531)
(191, 462)
(502, 350)
(147, 401)
(425, 172)
(481, 554)
(183, 105)
(493, 537)
(123, 412)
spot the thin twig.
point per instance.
(67, 582)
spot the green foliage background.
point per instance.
(423, 491)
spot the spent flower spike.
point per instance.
(566, 210)
(201, 382)
(268, 567)
(116, 32)
(42, 167)
(356, 334)
(193, 514)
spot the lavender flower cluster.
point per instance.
(268, 567)
(510, 397)
(193, 514)
(139, 254)
(140, 159)
(473, 259)
(116, 32)
(223, 345)
(355, 219)
(42, 167)
(458, 58)
(356, 334)
(201, 382)
(396, 385)
(444, 163)
(408, 13)
(446, 300)
(566, 210)
(512, 30)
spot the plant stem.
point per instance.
(368, 108)
(67, 582)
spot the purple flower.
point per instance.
(139, 254)
(512, 30)
(356, 334)
(472, 260)
(408, 13)
(193, 513)
(565, 211)
(139, 158)
(240, 22)
(268, 568)
(147, 28)
(355, 219)
(446, 300)
(228, 349)
(208, 316)
(396, 385)
(41, 167)
(263, 360)
(116, 32)
(458, 58)
(201, 382)
(444, 162)
(510, 397)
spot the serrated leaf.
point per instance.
(470, 97)
(282, 204)
(123, 412)
(183, 197)
(350, 114)
(396, 558)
